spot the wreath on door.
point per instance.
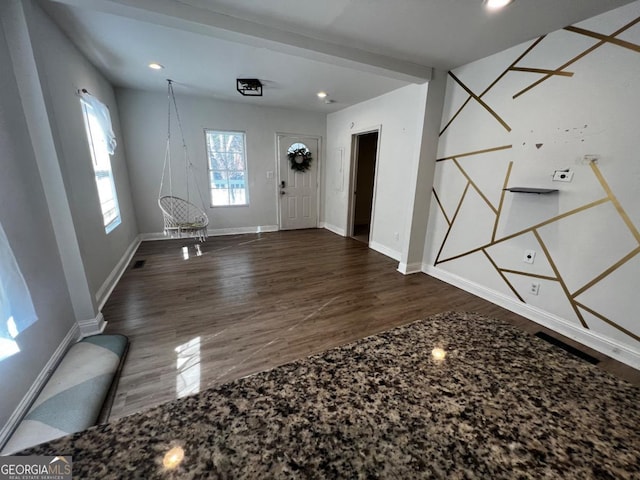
(300, 159)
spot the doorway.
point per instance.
(365, 148)
(298, 184)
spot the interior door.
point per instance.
(298, 190)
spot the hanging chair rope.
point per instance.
(181, 217)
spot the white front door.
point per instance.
(298, 190)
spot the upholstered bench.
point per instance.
(74, 396)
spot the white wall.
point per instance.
(25, 218)
(595, 251)
(144, 121)
(400, 114)
(63, 70)
(51, 212)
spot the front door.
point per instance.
(298, 185)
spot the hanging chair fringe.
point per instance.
(181, 217)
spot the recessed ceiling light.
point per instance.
(156, 66)
(496, 4)
(322, 94)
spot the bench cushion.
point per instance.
(73, 397)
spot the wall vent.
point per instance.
(568, 348)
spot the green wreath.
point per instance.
(300, 159)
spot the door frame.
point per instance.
(353, 177)
(279, 135)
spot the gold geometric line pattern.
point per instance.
(453, 219)
(486, 90)
(456, 114)
(506, 280)
(560, 280)
(607, 272)
(606, 320)
(528, 274)
(476, 152)
(599, 36)
(481, 102)
(615, 202)
(513, 64)
(529, 229)
(441, 207)
(559, 217)
(502, 194)
(473, 184)
(571, 297)
(606, 39)
(541, 70)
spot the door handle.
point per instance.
(282, 184)
(282, 192)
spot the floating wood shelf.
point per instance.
(531, 190)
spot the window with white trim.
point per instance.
(227, 168)
(101, 146)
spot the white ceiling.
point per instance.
(353, 49)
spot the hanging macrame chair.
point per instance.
(181, 217)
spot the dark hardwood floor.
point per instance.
(251, 302)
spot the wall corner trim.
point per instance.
(104, 292)
(409, 269)
(92, 326)
(598, 342)
(23, 407)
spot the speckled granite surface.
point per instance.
(501, 405)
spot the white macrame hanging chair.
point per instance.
(181, 217)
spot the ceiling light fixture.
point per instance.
(322, 94)
(496, 4)
(156, 66)
(249, 87)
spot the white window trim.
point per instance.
(91, 141)
(246, 167)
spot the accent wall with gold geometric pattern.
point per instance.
(511, 120)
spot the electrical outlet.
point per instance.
(562, 176)
(534, 289)
(529, 256)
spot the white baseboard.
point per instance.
(146, 237)
(240, 230)
(409, 269)
(216, 232)
(103, 293)
(23, 407)
(591, 339)
(92, 326)
(378, 247)
(332, 228)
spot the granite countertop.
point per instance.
(501, 405)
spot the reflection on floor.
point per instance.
(248, 303)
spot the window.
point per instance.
(227, 168)
(101, 145)
(16, 307)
